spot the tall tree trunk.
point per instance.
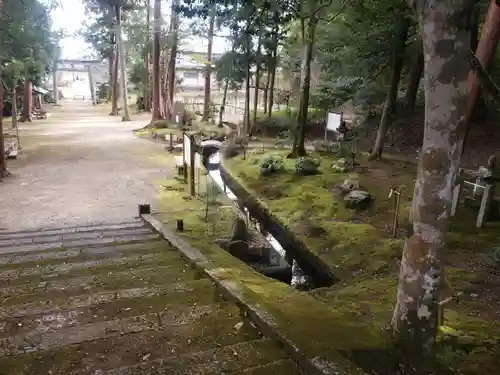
(274, 64)
(156, 84)
(208, 67)
(14, 106)
(3, 163)
(123, 70)
(147, 89)
(416, 72)
(246, 115)
(174, 24)
(446, 68)
(114, 88)
(28, 101)
(485, 51)
(266, 90)
(223, 104)
(308, 37)
(257, 83)
(397, 65)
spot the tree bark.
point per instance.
(123, 70)
(28, 101)
(174, 26)
(3, 162)
(156, 81)
(274, 63)
(223, 104)
(147, 89)
(266, 90)
(485, 51)
(308, 37)
(114, 89)
(257, 82)
(14, 106)
(446, 42)
(208, 68)
(416, 72)
(246, 117)
(390, 103)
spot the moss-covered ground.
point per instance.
(359, 249)
(316, 328)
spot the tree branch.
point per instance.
(340, 11)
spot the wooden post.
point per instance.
(454, 202)
(485, 205)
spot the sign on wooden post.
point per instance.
(186, 150)
(333, 122)
(189, 162)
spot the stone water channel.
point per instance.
(299, 279)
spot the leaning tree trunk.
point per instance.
(390, 103)
(156, 81)
(114, 88)
(446, 42)
(208, 68)
(223, 104)
(299, 137)
(485, 51)
(123, 70)
(416, 72)
(28, 101)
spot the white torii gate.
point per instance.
(82, 66)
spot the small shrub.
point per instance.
(271, 164)
(307, 165)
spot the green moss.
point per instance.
(358, 247)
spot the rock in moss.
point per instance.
(358, 200)
(340, 166)
(307, 165)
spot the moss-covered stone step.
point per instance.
(139, 277)
(216, 361)
(192, 292)
(280, 367)
(64, 255)
(136, 224)
(198, 335)
(115, 263)
(99, 241)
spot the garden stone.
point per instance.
(349, 185)
(358, 199)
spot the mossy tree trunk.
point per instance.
(272, 70)
(14, 105)
(446, 41)
(308, 38)
(416, 72)
(208, 68)
(390, 102)
(147, 84)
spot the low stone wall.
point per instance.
(311, 264)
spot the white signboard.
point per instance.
(334, 121)
(187, 149)
(197, 161)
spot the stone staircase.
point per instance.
(118, 299)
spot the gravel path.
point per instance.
(80, 167)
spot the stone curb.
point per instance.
(232, 291)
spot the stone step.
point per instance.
(94, 234)
(71, 229)
(214, 361)
(280, 367)
(139, 277)
(75, 242)
(51, 256)
(96, 266)
(96, 356)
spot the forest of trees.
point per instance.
(372, 54)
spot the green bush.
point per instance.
(271, 164)
(307, 165)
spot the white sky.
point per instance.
(70, 18)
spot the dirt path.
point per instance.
(80, 166)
